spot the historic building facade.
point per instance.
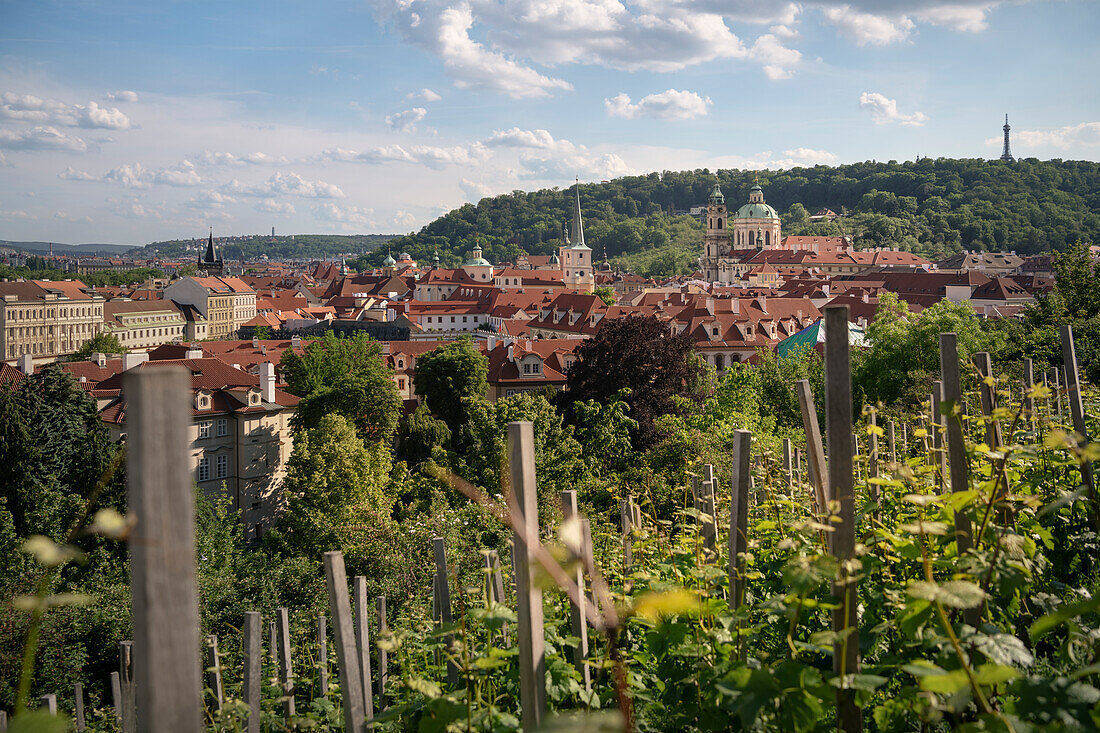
(46, 318)
(754, 226)
(575, 257)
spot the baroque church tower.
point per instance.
(576, 256)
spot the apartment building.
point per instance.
(226, 303)
(47, 318)
(144, 324)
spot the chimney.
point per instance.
(26, 364)
(762, 302)
(267, 381)
(511, 352)
(710, 306)
(99, 359)
(735, 305)
(131, 360)
(866, 297)
(296, 342)
(491, 342)
(193, 353)
(255, 342)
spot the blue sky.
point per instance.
(133, 121)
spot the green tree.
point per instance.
(367, 398)
(326, 360)
(606, 293)
(101, 343)
(1077, 281)
(449, 374)
(332, 478)
(422, 437)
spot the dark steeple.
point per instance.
(210, 262)
(1007, 154)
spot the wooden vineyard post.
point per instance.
(788, 462)
(838, 423)
(351, 688)
(739, 515)
(626, 523)
(891, 443)
(286, 665)
(988, 394)
(798, 464)
(322, 654)
(956, 447)
(532, 642)
(383, 656)
(872, 452)
(78, 707)
(162, 549)
(815, 453)
(362, 642)
(126, 683)
(938, 425)
(1057, 393)
(578, 624)
(116, 699)
(904, 441)
(214, 672)
(273, 643)
(253, 658)
(443, 594)
(496, 588)
(1077, 409)
(1029, 384)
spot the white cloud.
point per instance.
(406, 121)
(777, 60)
(592, 166)
(15, 214)
(271, 206)
(181, 175)
(884, 111)
(29, 108)
(517, 138)
(671, 104)
(347, 218)
(866, 28)
(429, 155)
(404, 219)
(289, 184)
(473, 190)
(809, 156)
(72, 174)
(1085, 134)
(215, 158)
(958, 16)
(123, 96)
(785, 32)
(425, 94)
(210, 200)
(41, 138)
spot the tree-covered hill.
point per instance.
(931, 207)
(253, 247)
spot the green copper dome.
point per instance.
(388, 262)
(477, 262)
(756, 211)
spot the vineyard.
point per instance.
(889, 572)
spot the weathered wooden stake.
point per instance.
(351, 688)
(162, 549)
(628, 535)
(362, 642)
(286, 664)
(253, 658)
(383, 656)
(48, 703)
(532, 642)
(815, 452)
(1077, 408)
(322, 654)
(988, 394)
(788, 462)
(1057, 393)
(1029, 384)
(78, 707)
(904, 441)
(273, 644)
(939, 424)
(838, 423)
(956, 448)
(577, 623)
(126, 680)
(891, 443)
(872, 452)
(739, 514)
(116, 699)
(214, 672)
(446, 616)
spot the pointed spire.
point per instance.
(578, 225)
(1006, 154)
(211, 254)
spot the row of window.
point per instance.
(439, 319)
(17, 314)
(221, 467)
(220, 426)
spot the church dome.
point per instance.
(756, 211)
(554, 259)
(388, 262)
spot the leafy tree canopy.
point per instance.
(101, 343)
(328, 359)
(448, 374)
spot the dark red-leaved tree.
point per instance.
(641, 354)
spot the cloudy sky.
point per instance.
(130, 121)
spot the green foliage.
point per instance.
(38, 268)
(606, 293)
(931, 207)
(447, 377)
(101, 343)
(283, 246)
(368, 398)
(332, 478)
(422, 437)
(327, 359)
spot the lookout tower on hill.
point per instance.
(1006, 155)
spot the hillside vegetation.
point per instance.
(931, 207)
(300, 246)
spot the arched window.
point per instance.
(719, 223)
(767, 239)
(719, 361)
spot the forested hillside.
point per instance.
(932, 207)
(302, 246)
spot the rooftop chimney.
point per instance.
(295, 342)
(99, 359)
(267, 381)
(26, 364)
(255, 342)
(131, 360)
(193, 353)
